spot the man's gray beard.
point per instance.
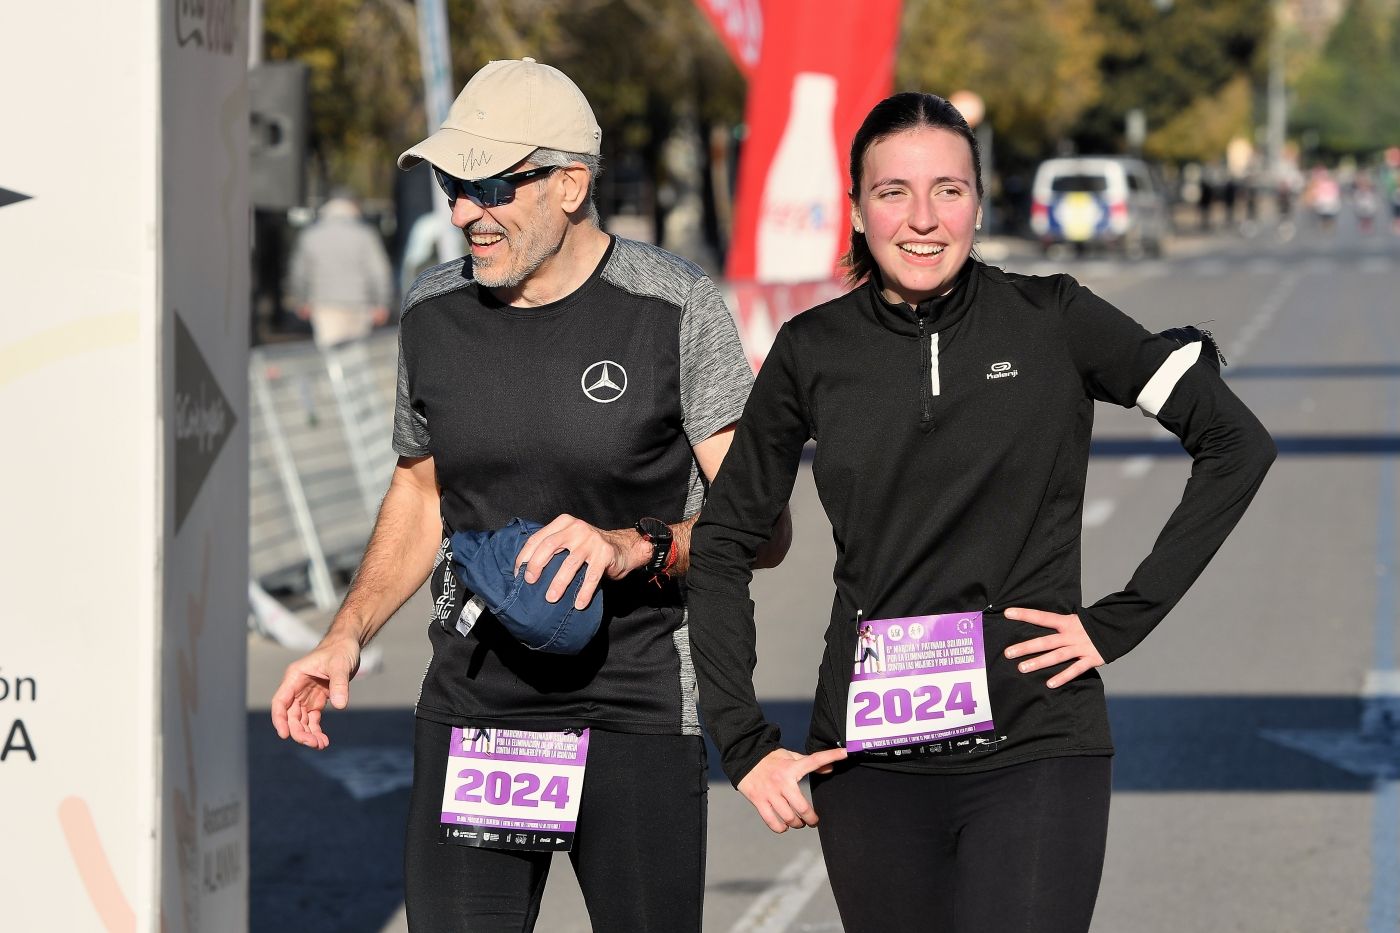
(527, 268)
(529, 262)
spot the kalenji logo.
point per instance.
(1002, 370)
(604, 381)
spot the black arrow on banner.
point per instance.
(203, 420)
(8, 197)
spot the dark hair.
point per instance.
(908, 111)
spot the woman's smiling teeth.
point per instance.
(922, 249)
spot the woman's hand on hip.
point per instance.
(1069, 642)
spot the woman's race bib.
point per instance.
(917, 680)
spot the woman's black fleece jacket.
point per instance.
(952, 444)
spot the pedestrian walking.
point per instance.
(564, 396)
(340, 279)
(1323, 197)
(964, 787)
(1390, 185)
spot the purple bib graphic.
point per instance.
(513, 789)
(917, 679)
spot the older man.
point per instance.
(590, 384)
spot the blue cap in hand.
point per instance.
(485, 563)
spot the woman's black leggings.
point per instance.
(1014, 850)
(639, 851)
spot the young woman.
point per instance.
(964, 784)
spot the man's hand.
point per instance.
(613, 554)
(1070, 642)
(309, 682)
(772, 786)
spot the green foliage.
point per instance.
(1189, 67)
(639, 61)
(362, 98)
(1033, 62)
(1349, 99)
(1052, 71)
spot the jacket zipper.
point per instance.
(925, 378)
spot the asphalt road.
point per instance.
(1257, 781)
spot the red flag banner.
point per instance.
(820, 69)
(740, 24)
(761, 308)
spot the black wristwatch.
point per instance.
(658, 533)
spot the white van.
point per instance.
(1110, 201)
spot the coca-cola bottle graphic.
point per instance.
(799, 218)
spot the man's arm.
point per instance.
(397, 560)
(614, 553)
(710, 453)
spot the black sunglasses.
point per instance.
(488, 192)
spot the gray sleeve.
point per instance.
(715, 373)
(411, 435)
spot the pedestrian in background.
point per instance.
(1323, 198)
(964, 786)
(1390, 185)
(340, 279)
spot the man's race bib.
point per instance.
(511, 789)
(917, 680)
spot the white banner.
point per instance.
(123, 360)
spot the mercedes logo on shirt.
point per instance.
(604, 381)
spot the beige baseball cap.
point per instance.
(508, 110)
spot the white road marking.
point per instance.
(1097, 512)
(365, 772)
(1138, 467)
(1263, 317)
(776, 907)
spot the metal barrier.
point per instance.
(320, 460)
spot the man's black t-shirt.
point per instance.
(588, 406)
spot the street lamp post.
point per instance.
(1278, 96)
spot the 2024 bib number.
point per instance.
(500, 787)
(898, 705)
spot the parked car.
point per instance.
(1106, 201)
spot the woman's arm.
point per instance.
(1230, 450)
(745, 501)
(1230, 454)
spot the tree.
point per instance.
(1189, 67)
(643, 64)
(1033, 62)
(362, 60)
(650, 67)
(1348, 97)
